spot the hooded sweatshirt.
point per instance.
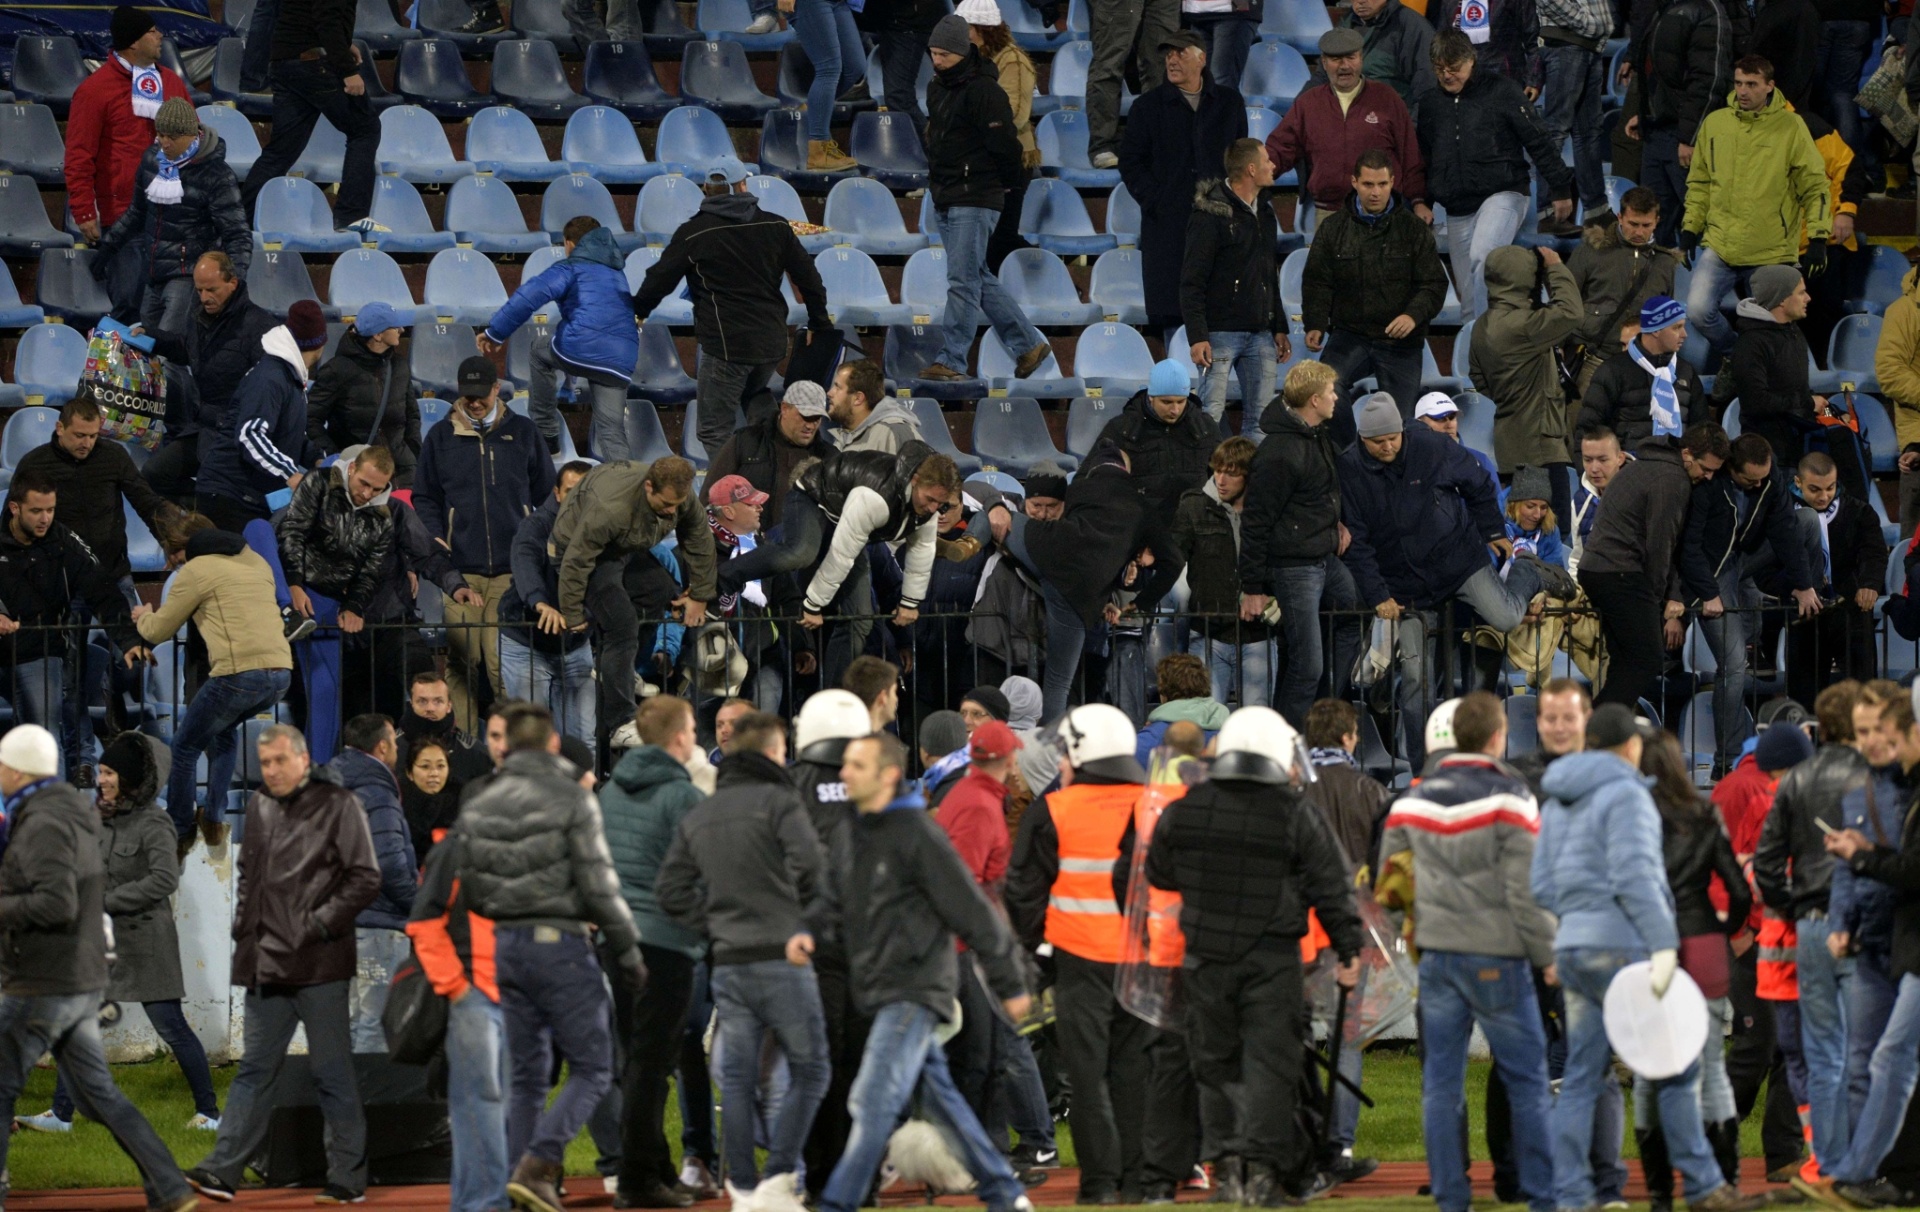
(1207, 714)
(264, 442)
(1600, 862)
(595, 337)
(888, 427)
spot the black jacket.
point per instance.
(1360, 275)
(344, 399)
(1107, 522)
(733, 257)
(1227, 282)
(1638, 529)
(1791, 864)
(768, 461)
(1899, 870)
(219, 349)
(1292, 517)
(1620, 397)
(1168, 149)
(415, 551)
(1477, 143)
(906, 895)
(1694, 856)
(40, 580)
(1787, 34)
(53, 939)
(1856, 550)
(1249, 860)
(973, 153)
(888, 473)
(326, 25)
(1769, 373)
(1208, 532)
(332, 546)
(1684, 56)
(745, 868)
(899, 15)
(1164, 460)
(1713, 533)
(88, 492)
(207, 218)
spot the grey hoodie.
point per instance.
(888, 427)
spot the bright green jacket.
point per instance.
(1756, 178)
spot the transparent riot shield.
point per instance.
(1147, 981)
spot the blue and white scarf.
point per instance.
(1665, 405)
(1332, 756)
(165, 188)
(148, 90)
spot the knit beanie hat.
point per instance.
(990, 698)
(1046, 480)
(1377, 416)
(1530, 484)
(943, 732)
(950, 35)
(1168, 378)
(1771, 284)
(1781, 747)
(131, 757)
(1662, 312)
(128, 26)
(176, 117)
(307, 324)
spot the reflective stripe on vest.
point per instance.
(1083, 919)
(1776, 970)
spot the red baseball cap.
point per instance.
(734, 490)
(992, 741)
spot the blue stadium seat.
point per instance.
(1261, 122)
(1292, 274)
(538, 262)
(923, 285)
(1730, 420)
(1432, 380)
(14, 313)
(665, 33)
(46, 69)
(1062, 137)
(1274, 75)
(1087, 418)
(1887, 268)
(1877, 426)
(483, 212)
(144, 552)
(30, 143)
(24, 229)
(520, 347)
(443, 19)
(413, 145)
(170, 59)
(1067, 81)
(727, 20)
(278, 278)
(1118, 288)
(795, 76)
(716, 75)
(1047, 381)
(433, 411)
(1180, 350)
(546, 19)
(579, 194)
(863, 213)
(379, 96)
(783, 152)
(243, 145)
(1298, 23)
(646, 439)
(66, 289)
(397, 205)
(430, 74)
(1010, 434)
(47, 367)
(225, 84)
(676, 308)
(464, 285)
(1463, 354)
(1112, 358)
(620, 75)
(600, 141)
(776, 197)
(1476, 421)
(367, 275)
(910, 349)
(665, 203)
(504, 142)
(374, 25)
(438, 348)
(855, 293)
(1040, 284)
(691, 138)
(323, 159)
(1053, 217)
(1123, 216)
(888, 150)
(1617, 188)
(659, 375)
(1028, 33)
(929, 225)
(1850, 351)
(934, 431)
(528, 74)
(292, 213)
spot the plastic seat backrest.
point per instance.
(530, 69)
(364, 275)
(1051, 207)
(461, 277)
(578, 194)
(600, 134)
(502, 133)
(1036, 276)
(484, 204)
(862, 205)
(397, 204)
(665, 203)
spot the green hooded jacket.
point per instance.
(1756, 179)
(641, 808)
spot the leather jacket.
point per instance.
(832, 479)
(306, 871)
(1812, 789)
(331, 545)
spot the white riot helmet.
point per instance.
(1440, 727)
(827, 721)
(1100, 740)
(1257, 745)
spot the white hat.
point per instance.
(1435, 404)
(30, 749)
(1440, 726)
(980, 12)
(1099, 739)
(1257, 745)
(830, 717)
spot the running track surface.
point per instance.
(1390, 1180)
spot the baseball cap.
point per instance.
(1183, 39)
(726, 170)
(1614, 724)
(477, 377)
(1435, 404)
(735, 490)
(992, 741)
(377, 317)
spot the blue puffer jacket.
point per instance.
(1860, 906)
(1420, 524)
(1599, 865)
(596, 336)
(370, 779)
(475, 483)
(264, 438)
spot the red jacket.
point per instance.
(1316, 131)
(1744, 798)
(105, 141)
(974, 815)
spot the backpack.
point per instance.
(1840, 437)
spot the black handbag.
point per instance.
(817, 360)
(415, 1018)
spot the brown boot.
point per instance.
(1030, 361)
(825, 156)
(533, 1185)
(214, 833)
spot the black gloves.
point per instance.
(1689, 247)
(1813, 262)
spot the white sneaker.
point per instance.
(612, 1184)
(743, 1201)
(778, 1193)
(203, 1123)
(1104, 160)
(46, 1122)
(765, 23)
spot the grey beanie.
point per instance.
(1771, 284)
(1530, 484)
(950, 35)
(943, 732)
(1377, 416)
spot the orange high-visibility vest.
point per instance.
(1314, 939)
(1083, 919)
(1777, 975)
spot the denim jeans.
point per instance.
(561, 682)
(170, 1024)
(1716, 1092)
(902, 1059)
(973, 291)
(901, 53)
(1249, 357)
(1068, 636)
(1576, 81)
(378, 955)
(1585, 973)
(1500, 604)
(211, 725)
(1346, 1108)
(168, 307)
(608, 433)
(69, 1026)
(1472, 238)
(696, 1114)
(1727, 639)
(1456, 992)
(1712, 277)
(303, 93)
(752, 1000)
(257, 58)
(1896, 1066)
(832, 44)
(553, 998)
(721, 390)
(38, 692)
(1395, 365)
(1021, 1096)
(1228, 40)
(1825, 984)
(1661, 171)
(320, 657)
(1870, 1000)
(1844, 47)
(583, 21)
(1242, 673)
(1298, 592)
(477, 1103)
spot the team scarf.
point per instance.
(1665, 406)
(148, 91)
(1331, 755)
(165, 188)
